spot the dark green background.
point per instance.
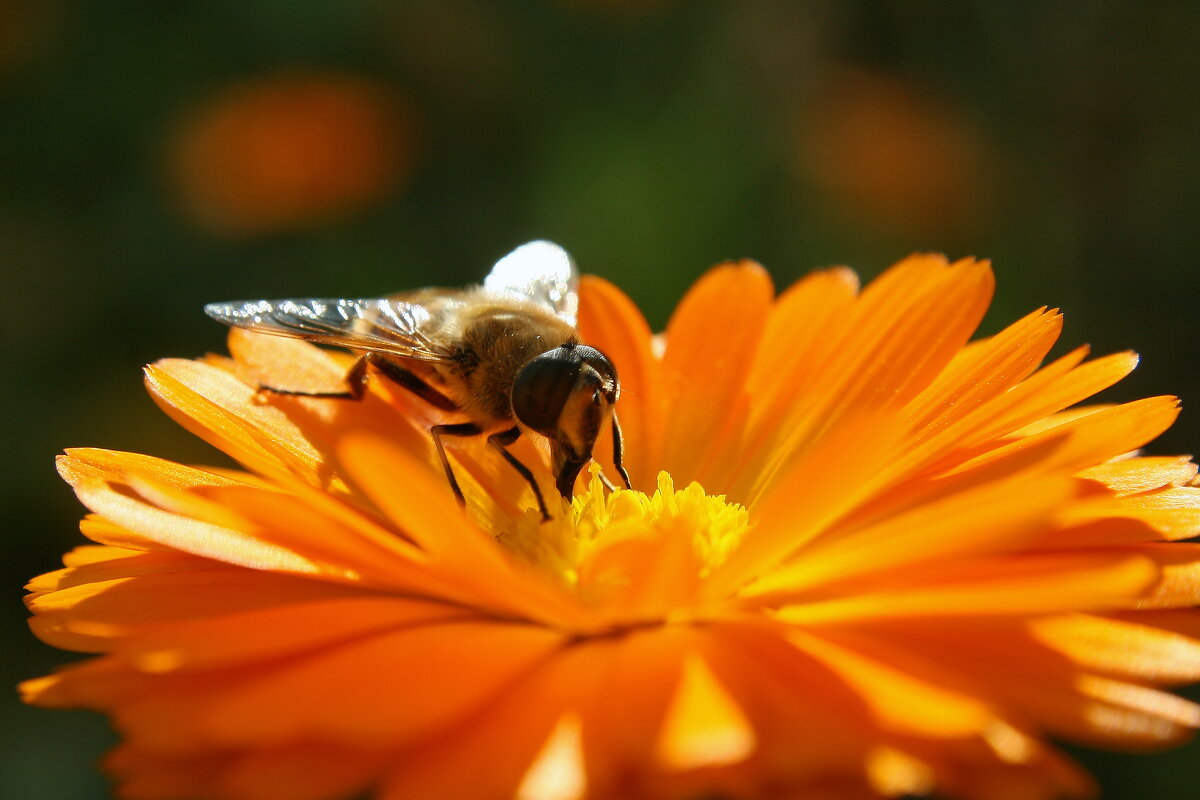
(651, 144)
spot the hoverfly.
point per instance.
(506, 353)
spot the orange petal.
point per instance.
(902, 332)
(80, 463)
(304, 772)
(348, 547)
(1122, 647)
(982, 520)
(116, 563)
(703, 726)
(807, 722)
(893, 773)
(610, 321)
(289, 364)
(189, 590)
(711, 339)
(502, 740)
(1093, 437)
(820, 486)
(1179, 584)
(802, 332)
(286, 519)
(984, 370)
(419, 504)
(906, 327)
(557, 772)
(193, 536)
(1174, 714)
(1030, 584)
(1134, 475)
(1172, 514)
(1051, 390)
(107, 532)
(276, 631)
(623, 716)
(390, 687)
(221, 409)
(803, 325)
(93, 554)
(417, 501)
(899, 700)
(143, 775)
(999, 662)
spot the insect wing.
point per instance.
(540, 271)
(385, 325)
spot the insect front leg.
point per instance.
(619, 451)
(399, 375)
(457, 429)
(501, 441)
(356, 384)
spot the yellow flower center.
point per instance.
(622, 543)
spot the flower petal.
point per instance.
(1093, 437)
(1136, 650)
(1134, 475)
(221, 409)
(313, 771)
(463, 554)
(836, 475)
(195, 537)
(274, 632)
(984, 519)
(501, 740)
(1030, 584)
(388, 688)
(155, 588)
(610, 321)
(803, 329)
(1172, 514)
(983, 371)
(703, 726)
(898, 700)
(711, 339)
(290, 364)
(906, 327)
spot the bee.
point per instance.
(505, 353)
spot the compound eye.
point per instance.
(604, 369)
(543, 387)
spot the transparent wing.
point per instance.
(384, 325)
(540, 271)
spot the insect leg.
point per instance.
(458, 429)
(356, 385)
(408, 380)
(618, 451)
(501, 441)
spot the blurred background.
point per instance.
(155, 156)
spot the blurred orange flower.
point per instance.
(893, 153)
(290, 150)
(863, 558)
(618, 6)
(25, 28)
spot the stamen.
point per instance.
(613, 526)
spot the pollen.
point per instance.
(606, 539)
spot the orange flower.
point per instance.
(864, 558)
(893, 153)
(289, 150)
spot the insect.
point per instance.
(506, 353)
